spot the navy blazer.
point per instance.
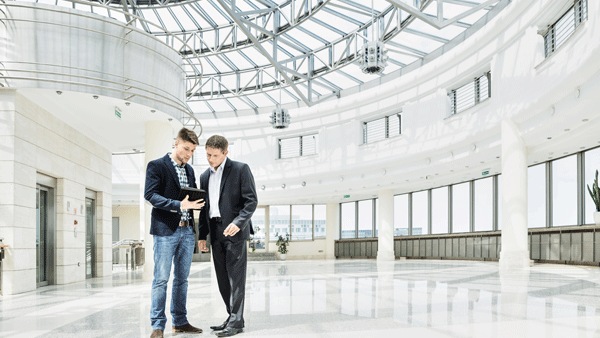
(162, 190)
(237, 201)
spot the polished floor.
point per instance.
(341, 298)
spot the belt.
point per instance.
(184, 223)
(215, 220)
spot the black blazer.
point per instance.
(162, 190)
(237, 200)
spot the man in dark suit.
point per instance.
(172, 227)
(231, 202)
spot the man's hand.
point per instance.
(202, 246)
(187, 204)
(231, 230)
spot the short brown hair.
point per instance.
(217, 142)
(188, 136)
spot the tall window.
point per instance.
(536, 196)
(564, 191)
(348, 220)
(592, 163)
(279, 221)
(320, 220)
(401, 213)
(483, 203)
(439, 210)
(302, 222)
(365, 218)
(461, 207)
(420, 213)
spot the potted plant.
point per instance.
(282, 245)
(595, 194)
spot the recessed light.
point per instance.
(95, 97)
(152, 111)
(549, 137)
(127, 103)
(567, 129)
(58, 92)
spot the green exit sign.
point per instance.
(346, 196)
(485, 172)
(118, 112)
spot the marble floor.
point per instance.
(333, 298)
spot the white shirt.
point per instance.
(214, 189)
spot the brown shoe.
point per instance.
(157, 334)
(187, 328)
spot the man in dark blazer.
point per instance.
(172, 227)
(231, 202)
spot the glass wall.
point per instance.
(303, 222)
(556, 196)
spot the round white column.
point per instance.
(514, 253)
(159, 141)
(385, 237)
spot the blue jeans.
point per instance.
(176, 249)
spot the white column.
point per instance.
(385, 237)
(159, 141)
(333, 229)
(515, 251)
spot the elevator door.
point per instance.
(44, 244)
(90, 238)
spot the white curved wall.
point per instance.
(64, 49)
(546, 98)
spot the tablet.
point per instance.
(195, 194)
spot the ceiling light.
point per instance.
(283, 186)
(303, 183)
(58, 92)
(280, 118)
(127, 103)
(262, 187)
(372, 57)
(95, 97)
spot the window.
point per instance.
(420, 213)
(536, 188)
(401, 214)
(483, 200)
(365, 218)
(561, 30)
(382, 128)
(592, 163)
(298, 146)
(348, 219)
(439, 210)
(564, 191)
(461, 207)
(279, 219)
(302, 222)
(320, 221)
(470, 94)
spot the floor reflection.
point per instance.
(344, 298)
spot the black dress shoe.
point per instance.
(229, 331)
(220, 327)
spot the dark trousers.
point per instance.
(230, 260)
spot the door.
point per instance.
(90, 236)
(44, 240)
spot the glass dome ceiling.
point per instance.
(244, 57)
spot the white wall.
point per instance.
(34, 141)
